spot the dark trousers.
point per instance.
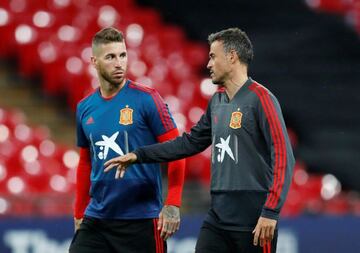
(214, 240)
(118, 236)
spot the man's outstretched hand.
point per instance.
(120, 163)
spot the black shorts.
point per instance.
(117, 236)
(214, 240)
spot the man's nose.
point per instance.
(118, 62)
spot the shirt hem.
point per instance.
(95, 215)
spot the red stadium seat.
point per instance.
(7, 28)
(32, 168)
(334, 6)
(294, 204)
(338, 205)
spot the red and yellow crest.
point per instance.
(235, 121)
(126, 116)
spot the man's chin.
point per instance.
(117, 81)
(216, 82)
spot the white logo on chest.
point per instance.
(108, 143)
(223, 147)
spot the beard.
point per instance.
(115, 82)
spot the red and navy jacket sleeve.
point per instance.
(163, 126)
(273, 128)
(183, 146)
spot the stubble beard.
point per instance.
(114, 83)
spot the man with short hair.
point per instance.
(126, 215)
(252, 159)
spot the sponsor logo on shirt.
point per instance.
(235, 121)
(224, 148)
(108, 143)
(126, 116)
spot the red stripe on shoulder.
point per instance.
(160, 105)
(168, 124)
(256, 86)
(141, 87)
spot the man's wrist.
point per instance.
(137, 153)
(270, 214)
(172, 204)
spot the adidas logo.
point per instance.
(90, 121)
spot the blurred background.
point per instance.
(307, 52)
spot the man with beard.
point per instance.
(122, 215)
(252, 160)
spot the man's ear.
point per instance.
(233, 57)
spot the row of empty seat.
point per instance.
(52, 39)
(32, 166)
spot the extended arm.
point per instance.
(183, 146)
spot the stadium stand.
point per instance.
(33, 169)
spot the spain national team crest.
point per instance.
(126, 116)
(235, 121)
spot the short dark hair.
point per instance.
(234, 39)
(107, 35)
